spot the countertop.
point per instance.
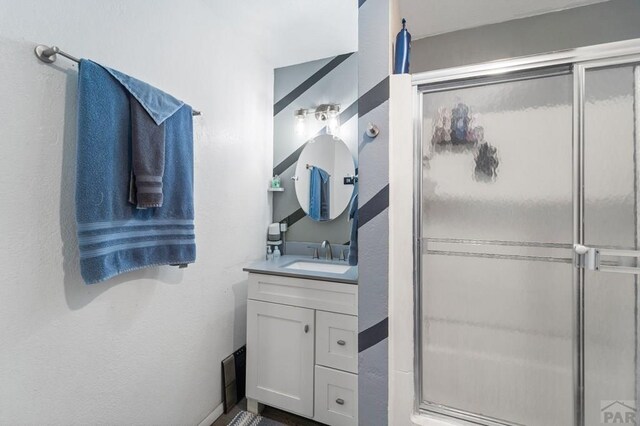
(277, 267)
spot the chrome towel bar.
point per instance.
(49, 55)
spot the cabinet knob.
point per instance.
(340, 401)
(342, 342)
(306, 328)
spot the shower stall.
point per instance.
(526, 239)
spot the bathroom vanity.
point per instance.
(302, 324)
(302, 338)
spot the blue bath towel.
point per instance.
(114, 236)
(353, 243)
(319, 203)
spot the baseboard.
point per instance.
(213, 416)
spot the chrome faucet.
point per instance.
(326, 245)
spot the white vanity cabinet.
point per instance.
(302, 347)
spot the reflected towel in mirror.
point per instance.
(319, 188)
(353, 242)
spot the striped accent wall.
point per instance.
(373, 230)
(370, 104)
(307, 85)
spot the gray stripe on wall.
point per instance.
(374, 97)
(305, 85)
(373, 389)
(372, 208)
(349, 112)
(373, 335)
(294, 217)
(289, 161)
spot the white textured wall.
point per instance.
(144, 348)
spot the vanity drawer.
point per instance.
(337, 341)
(336, 397)
(313, 294)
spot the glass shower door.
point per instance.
(496, 266)
(608, 252)
(528, 246)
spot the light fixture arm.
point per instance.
(326, 113)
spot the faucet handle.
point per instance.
(315, 255)
(343, 256)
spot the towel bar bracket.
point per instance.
(45, 54)
(49, 54)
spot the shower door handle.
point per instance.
(591, 259)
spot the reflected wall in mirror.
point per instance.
(324, 197)
(340, 86)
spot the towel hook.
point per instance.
(372, 130)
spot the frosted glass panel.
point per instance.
(610, 341)
(496, 268)
(497, 338)
(610, 221)
(609, 211)
(527, 126)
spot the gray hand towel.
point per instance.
(147, 155)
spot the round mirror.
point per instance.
(323, 164)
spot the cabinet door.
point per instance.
(280, 351)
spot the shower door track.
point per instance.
(574, 61)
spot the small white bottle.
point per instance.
(269, 255)
(276, 253)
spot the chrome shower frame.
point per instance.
(578, 60)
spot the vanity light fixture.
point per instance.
(328, 113)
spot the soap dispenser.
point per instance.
(269, 254)
(276, 253)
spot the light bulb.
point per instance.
(300, 126)
(333, 124)
(300, 115)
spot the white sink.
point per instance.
(333, 268)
